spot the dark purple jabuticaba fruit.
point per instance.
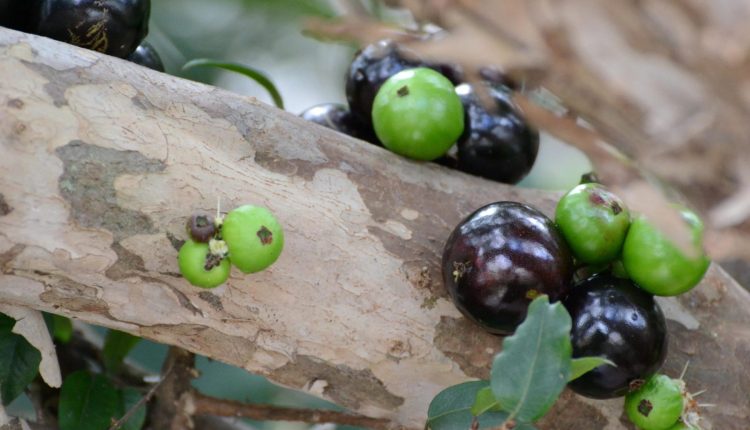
(114, 27)
(614, 319)
(496, 144)
(499, 259)
(337, 117)
(18, 14)
(145, 55)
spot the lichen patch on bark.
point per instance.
(87, 183)
(345, 386)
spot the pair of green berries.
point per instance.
(248, 237)
(417, 113)
(598, 227)
(662, 403)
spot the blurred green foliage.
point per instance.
(263, 34)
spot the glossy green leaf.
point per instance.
(87, 402)
(117, 345)
(19, 361)
(254, 74)
(129, 397)
(451, 408)
(62, 328)
(485, 402)
(533, 367)
(581, 365)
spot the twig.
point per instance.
(206, 405)
(169, 410)
(117, 424)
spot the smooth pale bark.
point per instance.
(103, 161)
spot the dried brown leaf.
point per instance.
(30, 324)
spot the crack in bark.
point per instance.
(176, 243)
(182, 298)
(127, 263)
(8, 256)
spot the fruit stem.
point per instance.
(684, 371)
(219, 220)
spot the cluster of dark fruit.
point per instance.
(114, 27)
(604, 266)
(496, 143)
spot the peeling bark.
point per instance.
(103, 162)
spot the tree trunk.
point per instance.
(103, 161)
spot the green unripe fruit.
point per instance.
(417, 113)
(656, 264)
(657, 405)
(254, 237)
(193, 259)
(594, 222)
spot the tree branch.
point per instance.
(169, 410)
(103, 161)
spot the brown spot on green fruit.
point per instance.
(597, 198)
(645, 407)
(265, 236)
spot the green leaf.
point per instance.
(581, 365)
(6, 323)
(62, 328)
(117, 345)
(87, 402)
(19, 361)
(451, 408)
(251, 73)
(129, 397)
(533, 367)
(485, 402)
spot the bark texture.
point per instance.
(103, 161)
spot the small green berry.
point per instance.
(657, 405)
(417, 113)
(656, 264)
(200, 267)
(253, 236)
(593, 221)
